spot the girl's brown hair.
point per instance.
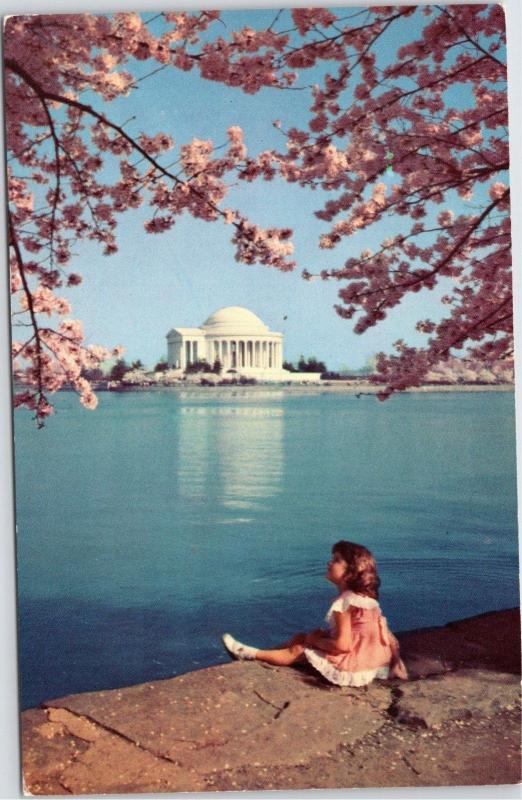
(361, 573)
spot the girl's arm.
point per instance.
(340, 641)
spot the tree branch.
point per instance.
(42, 93)
(30, 306)
(463, 31)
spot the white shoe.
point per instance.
(243, 652)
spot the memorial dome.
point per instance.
(234, 320)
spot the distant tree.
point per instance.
(95, 374)
(311, 365)
(288, 366)
(217, 367)
(161, 366)
(330, 376)
(370, 365)
(119, 370)
(199, 366)
(369, 368)
(137, 364)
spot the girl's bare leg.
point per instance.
(283, 657)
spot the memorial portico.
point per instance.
(235, 337)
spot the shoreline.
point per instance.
(333, 387)
(455, 722)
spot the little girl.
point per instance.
(357, 647)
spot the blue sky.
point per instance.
(156, 282)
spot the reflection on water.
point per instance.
(192, 456)
(230, 455)
(234, 411)
(247, 395)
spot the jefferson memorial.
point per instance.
(237, 338)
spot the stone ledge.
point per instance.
(250, 726)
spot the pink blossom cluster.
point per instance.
(201, 187)
(468, 370)
(270, 247)
(306, 19)
(51, 359)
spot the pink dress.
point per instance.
(374, 649)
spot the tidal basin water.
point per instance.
(152, 525)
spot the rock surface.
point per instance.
(251, 726)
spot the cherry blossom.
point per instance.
(384, 141)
